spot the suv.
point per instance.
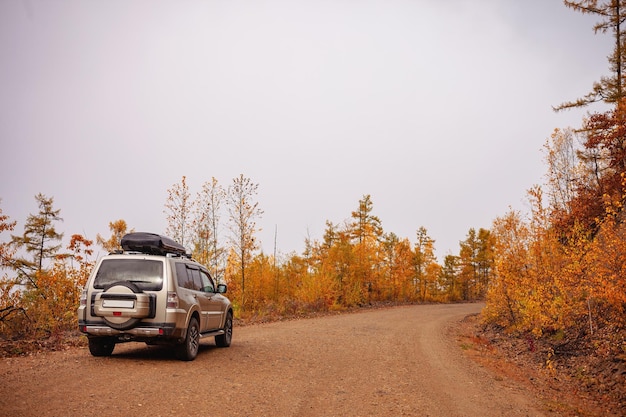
(152, 292)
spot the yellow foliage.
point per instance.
(49, 306)
(548, 285)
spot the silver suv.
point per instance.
(152, 292)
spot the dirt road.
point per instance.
(390, 362)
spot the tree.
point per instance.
(80, 251)
(324, 272)
(563, 168)
(612, 14)
(605, 262)
(365, 226)
(306, 288)
(331, 235)
(207, 221)
(505, 296)
(403, 271)
(178, 209)
(341, 262)
(118, 229)
(38, 239)
(389, 260)
(42, 296)
(6, 252)
(539, 286)
(10, 305)
(365, 230)
(243, 212)
(424, 264)
(476, 261)
(606, 134)
(580, 189)
(52, 307)
(485, 259)
(448, 278)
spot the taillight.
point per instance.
(172, 300)
(83, 297)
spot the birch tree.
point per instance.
(207, 247)
(243, 211)
(178, 209)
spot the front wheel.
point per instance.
(101, 346)
(188, 350)
(224, 340)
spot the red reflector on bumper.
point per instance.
(117, 313)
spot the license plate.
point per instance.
(118, 303)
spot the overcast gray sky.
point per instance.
(437, 109)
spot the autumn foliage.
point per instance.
(557, 272)
(560, 272)
(39, 297)
(355, 263)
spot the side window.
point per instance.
(197, 281)
(183, 278)
(207, 282)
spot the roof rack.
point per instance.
(152, 244)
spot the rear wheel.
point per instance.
(188, 350)
(224, 340)
(101, 346)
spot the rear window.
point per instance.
(147, 274)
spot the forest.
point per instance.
(355, 264)
(556, 272)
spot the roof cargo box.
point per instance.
(151, 243)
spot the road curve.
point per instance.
(401, 361)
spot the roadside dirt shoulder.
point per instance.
(580, 386)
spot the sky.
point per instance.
(436, 109)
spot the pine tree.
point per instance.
(612, 14)
(40, 239)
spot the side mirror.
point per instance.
(221, 288)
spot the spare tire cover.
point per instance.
(121, 322)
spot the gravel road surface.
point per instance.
(401, 361)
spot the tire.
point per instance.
(132, 322)
(188, 350)
(224, 340)
(101, 346)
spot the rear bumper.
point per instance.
(154, 330)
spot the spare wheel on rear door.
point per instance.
(123, 304)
